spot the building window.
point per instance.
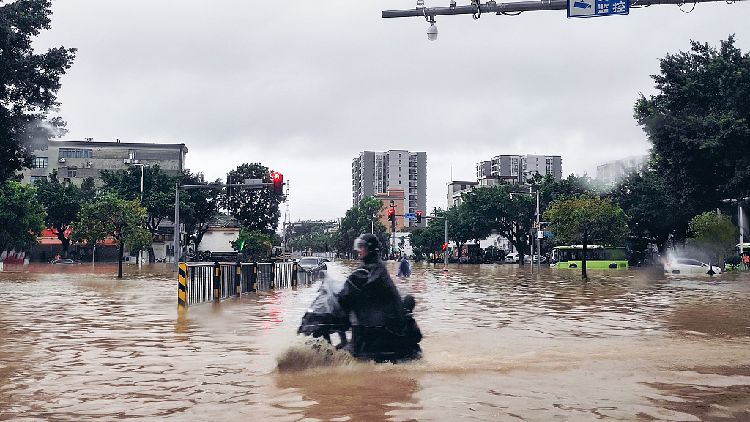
(40, 162)
(35, 178)
(131, 154)
(76, 153)
(72, 172)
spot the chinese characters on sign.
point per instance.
(589, 8)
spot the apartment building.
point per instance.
(610, 174)
(517, 168)
(77, 160)
(375, 173)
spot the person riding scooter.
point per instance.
(369, 293)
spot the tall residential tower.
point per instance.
(375, 173)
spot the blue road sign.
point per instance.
(591, 8)
(410, 216)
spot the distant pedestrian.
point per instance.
(403, 268)
(746, 261)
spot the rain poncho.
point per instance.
(325, 316)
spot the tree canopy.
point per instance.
(257, 209)
(428, 240)
(197, 206)
(111, 216)
(503, 210)
(699, 125)
(714, 234)
(587, 219)
(28, 83)
(359, 219)
(21, 215)
(62, 203)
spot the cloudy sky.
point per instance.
(303, 86)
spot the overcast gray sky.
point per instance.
(302, 87)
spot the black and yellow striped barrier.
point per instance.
(182, 288)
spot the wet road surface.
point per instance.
(500, 344)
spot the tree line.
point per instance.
(699, 127)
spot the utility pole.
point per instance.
(445, 253)
(393, 227)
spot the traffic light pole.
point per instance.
(177, 247)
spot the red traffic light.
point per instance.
(391, 214)
(445, 246)
(278, 182)
(419, 216)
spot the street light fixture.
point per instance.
(739, 217)
(432, 31)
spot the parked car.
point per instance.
(511, 258)
(689, 267)
(312, 263)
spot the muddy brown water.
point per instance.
(500, 344)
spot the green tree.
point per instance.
(197, 206)
(699, 125)
(464, 224)
(715, 234)
(29, 83)
(62, 203)
(359, 219)
(158, 193)
(428, 240)
(652, 205)
(110, 216)
(501, 209)
(255, 245)
(587, 219)
(256, 209)
(21, 215)
(551, 190)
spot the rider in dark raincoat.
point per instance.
(379, 332)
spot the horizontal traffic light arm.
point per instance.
(227, 185)
(513, 7)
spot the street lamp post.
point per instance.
(535, 240)
(141, 166)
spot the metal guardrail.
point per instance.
(202, 282)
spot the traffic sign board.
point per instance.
(591, 8)
(410, 216)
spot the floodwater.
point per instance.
(500, 344)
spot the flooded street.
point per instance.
(500, 344)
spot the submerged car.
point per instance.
(511, 258)
(312, 263)
(65, 261)
(689, 267)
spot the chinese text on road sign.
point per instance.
(590, 8)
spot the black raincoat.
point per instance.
(380, 332)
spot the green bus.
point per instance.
(597, 257)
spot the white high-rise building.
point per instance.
(518, 168)
(375, 172)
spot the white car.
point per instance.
(511, 258)
(689, 267)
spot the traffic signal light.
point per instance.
(419, 216)
(391, 214)
(278, 182)
(445, 246)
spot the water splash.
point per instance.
(312, 353)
